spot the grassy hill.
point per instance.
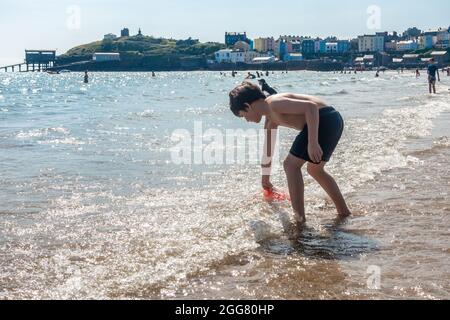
(142, 46)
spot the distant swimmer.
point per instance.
(432, 72)
(320, 127)
(86, 77)
(250, 76)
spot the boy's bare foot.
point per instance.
(342, 218)
(344, 215)
(301, 220)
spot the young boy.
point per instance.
(321, 129)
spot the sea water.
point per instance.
(92, 204)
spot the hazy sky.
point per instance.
(46, 24)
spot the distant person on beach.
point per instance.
(250, 76)
(320, 127)
(432, 72)
(258, 75)
(267, 73)
(86, 77)
(448, 72)
(153, 74)
(417, 73)
(377, 75)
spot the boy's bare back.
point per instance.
(296, 122)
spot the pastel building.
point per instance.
(427, 41)
(443, 39)
(343, 46)
(264, 44)
(320, 46)
(409, 45)
(371, 43)
(331, 47)
(296, 46)
(308, 47)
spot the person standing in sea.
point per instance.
(86, 77)
(432, 72)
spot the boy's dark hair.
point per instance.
(246, 92)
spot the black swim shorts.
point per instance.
(331, 126)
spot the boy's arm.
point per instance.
(270, 131)
(308, 109)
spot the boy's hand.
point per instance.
(266, 184)
(315, 153)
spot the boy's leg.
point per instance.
(330, 186)
(293, 168)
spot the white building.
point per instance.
(235, 56)
(331, 47)
(407, 45)
(223, 56)
(109, 36)
(371, 43)
(106, 56)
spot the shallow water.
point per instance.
(94, 207)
